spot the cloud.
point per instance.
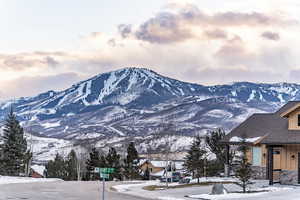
(189, 22)
(125, 30)
(270, 35)
(32, 85)
(23, 61)
(181, 41)
(216, 34)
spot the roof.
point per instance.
(163, 163)
(38, 169)
(287, 107)
(289, 111)
(267, 128)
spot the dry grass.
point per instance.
(163, 187)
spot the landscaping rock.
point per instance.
(219, 189)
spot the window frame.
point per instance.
(257, 161)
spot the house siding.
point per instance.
(293, 120)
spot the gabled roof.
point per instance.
(268, 128)
(288, 106)
(290, 110)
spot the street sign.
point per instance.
(107, 170)
(106, 176)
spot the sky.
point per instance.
(52, 44)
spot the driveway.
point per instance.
(59, 191)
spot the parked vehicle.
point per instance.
(176, 177)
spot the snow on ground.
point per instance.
(12, 179)
(45, 149)
(50, 125)
(265, 191)
(276, 192)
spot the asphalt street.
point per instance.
(60, 191)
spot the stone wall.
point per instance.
(259, 172)
(288, 177)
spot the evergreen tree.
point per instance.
(57, 168)
(14, 147)
(113, 161)
(131, 168)
(213, 143)
(243, 171)
(71, 166)
(92, 162)
(195, 159)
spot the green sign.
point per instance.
(107, 170)
(106, 176)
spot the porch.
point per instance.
(278, 163)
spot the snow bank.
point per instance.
(127, 187)
(168, 198)
(226, 196)
(214, 180)
(12, 179)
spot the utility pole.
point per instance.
(103, 188)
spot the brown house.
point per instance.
(275, 143)
(153, 166)
(157, 167)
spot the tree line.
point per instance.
(67, 168)
(15, 158)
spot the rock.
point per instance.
(219, 189)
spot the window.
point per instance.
(298, 120)
(256, 156)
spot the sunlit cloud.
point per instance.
(181, 40)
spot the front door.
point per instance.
(299, 167)
(276, 164)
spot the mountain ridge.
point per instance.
(112, 108)
(109, 103)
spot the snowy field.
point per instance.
(11, 179)
(266, 192)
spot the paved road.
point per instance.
(58, 191)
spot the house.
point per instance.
(157, 167)
(274, 140)
(37, 171)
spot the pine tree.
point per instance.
(71, 166)
(113, 161)
(195, 159)
(92, 162)
(243, 171)
(57, 168)
(14, 147)
(212, 141)
(131, 168)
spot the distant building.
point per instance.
(157, 168)
(37, 171)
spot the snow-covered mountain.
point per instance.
(137, 103)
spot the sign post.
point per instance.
(104, 174)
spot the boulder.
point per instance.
(218, 189)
